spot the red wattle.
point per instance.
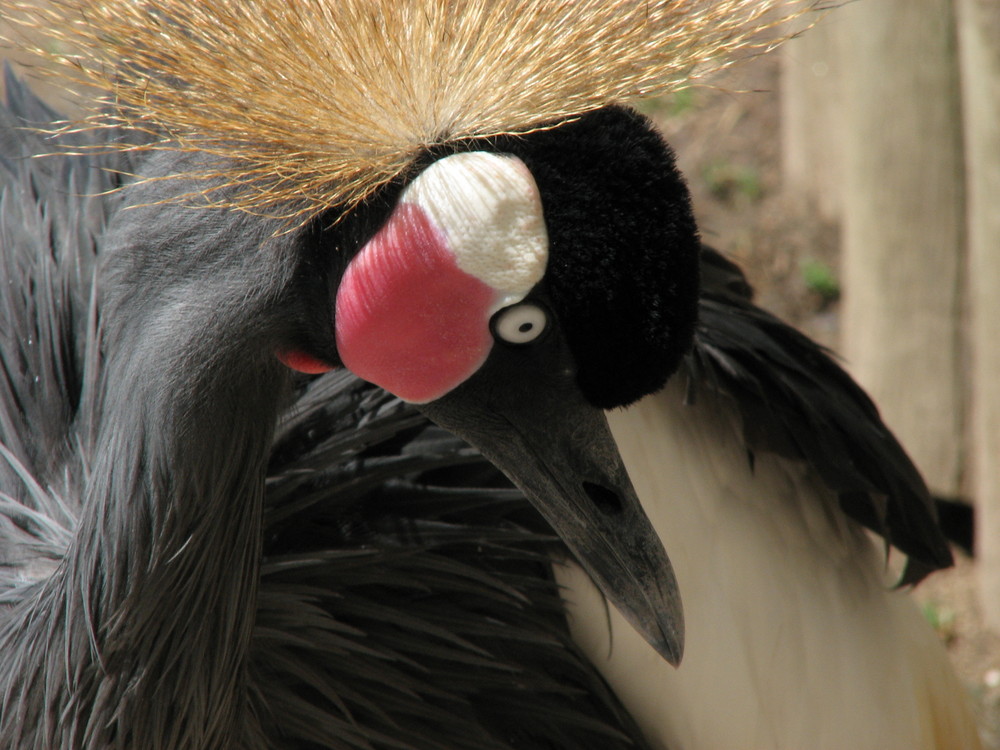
(408, 319)
(301, 362)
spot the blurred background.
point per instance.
(855, 176)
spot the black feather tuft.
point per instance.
(797, 402)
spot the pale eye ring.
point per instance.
(520, 324)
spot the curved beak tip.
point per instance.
(560, 452)
(670, 647)
(659, 618)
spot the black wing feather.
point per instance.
(406, 597)
(797, 402)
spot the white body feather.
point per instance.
(794, 642)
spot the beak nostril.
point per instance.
(604, 499)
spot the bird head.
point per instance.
(517, 288)
(475, 224)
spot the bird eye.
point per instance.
(520, 324)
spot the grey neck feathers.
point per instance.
(139, 639)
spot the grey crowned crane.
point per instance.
(213, 535)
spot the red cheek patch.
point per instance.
(301, 362)
(408, 319)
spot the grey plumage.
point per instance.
(50, 215)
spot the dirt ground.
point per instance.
(728, 144)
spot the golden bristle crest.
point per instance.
(310, 104)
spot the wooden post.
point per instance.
(903, 229)
(979, 27)
(811, 123)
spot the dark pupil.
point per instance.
(525, 327)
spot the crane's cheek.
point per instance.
(407, 318)
(300, 361)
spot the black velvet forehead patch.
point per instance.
(623, 263)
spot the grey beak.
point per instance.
(558, 450)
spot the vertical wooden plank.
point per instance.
(979, 27)
(903, 228)
(811, 123)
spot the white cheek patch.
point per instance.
(489, 209)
